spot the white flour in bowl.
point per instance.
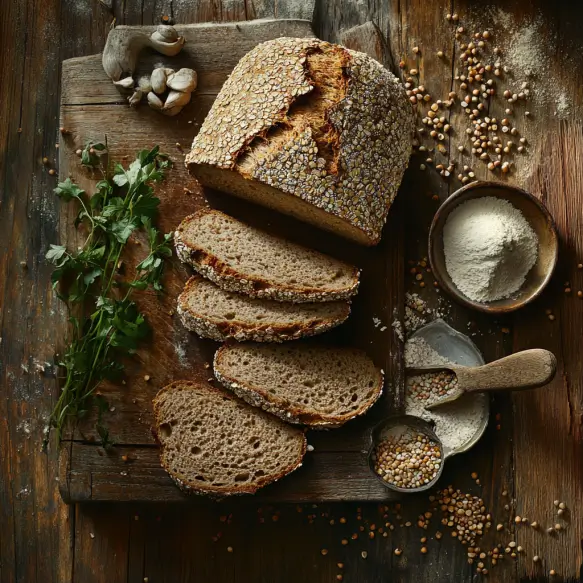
(489, 248)
(455, 423)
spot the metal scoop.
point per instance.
(528, 369)
(385, 428)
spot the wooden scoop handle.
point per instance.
(524, 370)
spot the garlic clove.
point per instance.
(172, 111)
(154, 101)
(145, 84)
(158, 80)
(177, 98)
(135, 98)
(168, 71)
(184, 80)
(125, 83)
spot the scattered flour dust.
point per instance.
(398, 328)
(455, 423)
(489, 248)
(181, 354)
(24, 427)
(530, 55)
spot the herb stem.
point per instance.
(123, 203)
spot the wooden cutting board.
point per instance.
(92, 109)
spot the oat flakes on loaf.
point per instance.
(310, 129)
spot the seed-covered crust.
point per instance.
(241, 331)
(369, 134)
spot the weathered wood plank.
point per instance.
(367, 38)
(552, 469)
(101, 542)
(29, 502)
(106, 477)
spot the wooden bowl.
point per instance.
(534, 212)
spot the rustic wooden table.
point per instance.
(531, 454)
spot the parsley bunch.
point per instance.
(106, 323)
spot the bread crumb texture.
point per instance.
(243, 259)
(214, 313)
(214, 443)
(301, 383)
(317, 121)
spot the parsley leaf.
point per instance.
(55, 253)
(123, 228)
(68, 190)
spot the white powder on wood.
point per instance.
(455, 423)
(489, 248)
(529, 49)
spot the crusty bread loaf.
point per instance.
(301, 383)
(214, 313)
(310, 129)
(243, 259)
(213, 443)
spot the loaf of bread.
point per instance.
(318, 386)
(213, 443)
(214, 313)
(242, 259)
(310, 129)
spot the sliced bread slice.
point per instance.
(301, 383)
(213, 443)
(215, 313)
(241, 258)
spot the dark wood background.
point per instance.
(535, 455)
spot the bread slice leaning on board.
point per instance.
(221, 315)
(301, 382)
(310, 129)
(213, 443)
(246, 260)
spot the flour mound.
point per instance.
(489, 248)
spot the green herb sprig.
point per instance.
(105, 322)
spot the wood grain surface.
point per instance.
(532, 448)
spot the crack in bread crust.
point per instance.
(340, 139)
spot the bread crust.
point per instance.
(239, 330)
(259, 398)
(213, 268)
(190, 487)
(344, 152)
